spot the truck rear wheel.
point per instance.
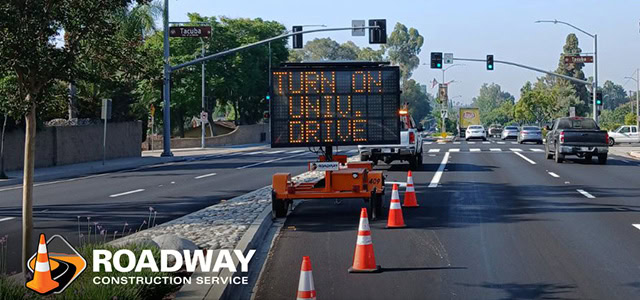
(602, 159)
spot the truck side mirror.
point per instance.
(420, 127)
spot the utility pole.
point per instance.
(166, 124)
(202, 123)
(638, 98)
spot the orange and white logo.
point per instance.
(55, 266)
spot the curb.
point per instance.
(256, 232)
(634, 154)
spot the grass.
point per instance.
(84, 288)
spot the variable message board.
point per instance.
(334, 104)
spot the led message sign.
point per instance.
(324, 104)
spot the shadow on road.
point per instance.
(529, 290)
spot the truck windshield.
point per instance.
(577, 124)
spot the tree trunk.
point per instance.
(236, 111)
(27, 184)
(4, 127)
(72, 102)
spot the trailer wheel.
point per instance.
(278, 207)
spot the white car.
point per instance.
(475, 132)
(624, 134)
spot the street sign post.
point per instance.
(444, 114)
(577, 59)
(190, 31)
(359, 31)
(447, 58)
(106, 114)
(204, 117)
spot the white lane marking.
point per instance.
(456, 143)
(205, 176)
(6, 219)
(486, 142)
(126, 193)
(495, 149)
(275, 152)
(428, 143)
(501, 143)
(553, 174)
(454, 150)
(525, 158)
(352, 151)
(254, 153)
(537, 150)
(515, 149)
(434, 150)
(295, 151)
(471, 143)
(474, 149)
(399, 183)
(636, 225)
(441, 143)
(436, 177)
(269, 161)
(173, 182)
(585, 193)
(514, 143)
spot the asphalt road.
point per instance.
(502, 222)
(111, 199)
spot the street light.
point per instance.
(637, 80)
(595, 61)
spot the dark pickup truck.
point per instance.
(577, 136)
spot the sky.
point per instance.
(468, 29)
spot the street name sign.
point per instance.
(578, 59)
(190, 31)
(320, 104)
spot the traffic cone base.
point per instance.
(410, 193)
(42, 281)
(364, 260)
(395, 219)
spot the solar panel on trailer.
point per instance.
(318, 105)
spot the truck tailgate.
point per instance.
(585, 137)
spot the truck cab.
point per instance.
(409, 149)
(624, 134)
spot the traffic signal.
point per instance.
(266, 114)
(268, 97)
(378, 35)
(490, 62)
(297, 39)
(599, 98)
(436, 60)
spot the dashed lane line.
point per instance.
(586, 194)
(205, 175)
(475, 150)
(525, 158)
(438, 175)
(495, 149)
(6, 219)
(454, 150)
(434, 150)
(553, 174)
(269, 161)
(126, 193)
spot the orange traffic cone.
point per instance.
(306, 290)
(363, 259)
(395, 219)
(410, 193)
(42, 282)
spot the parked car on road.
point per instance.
(510, 132)
(624, 134)
(530, 134)
(577, 136)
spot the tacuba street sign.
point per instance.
(578, 59)
(190, 31)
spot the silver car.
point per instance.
(510, 132)
(530, 134)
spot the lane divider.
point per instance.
(636, 225)
(438, 175)
(586, 194)
(126, 193)
(553, 174)
(6, 219)
(270, 161)
(205, 175)
(525, 158)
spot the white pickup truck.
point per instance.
(624, 134)
(409, 149)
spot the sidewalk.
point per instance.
(626, 151)
(148, 158)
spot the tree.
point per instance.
(403, 47)
(419, 106)
(614, 95)
(33, 28)
(490, 98)
(571, 47)
(535, 105)
(327, 49)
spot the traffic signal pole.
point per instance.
(528, 68)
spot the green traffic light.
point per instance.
(439, 66)
(491, 67)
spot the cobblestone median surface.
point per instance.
(222, 225)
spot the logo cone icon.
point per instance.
(395, 219)
(363, 259)
(42, 282)
(306, 290)
(410, 193)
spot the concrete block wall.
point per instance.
(245, 134)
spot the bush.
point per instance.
(84, 288)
